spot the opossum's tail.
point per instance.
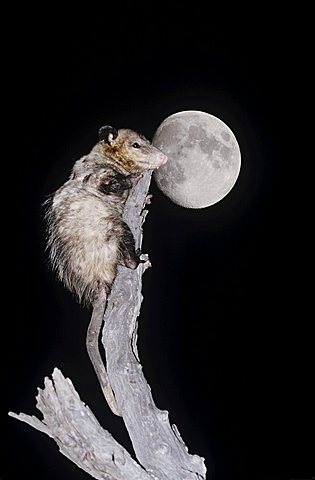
(92, 339)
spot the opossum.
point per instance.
(86, 236)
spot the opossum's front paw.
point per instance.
(144, 259)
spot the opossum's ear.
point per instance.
(107, 134)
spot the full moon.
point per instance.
(204, 159)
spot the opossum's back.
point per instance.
(85, 243)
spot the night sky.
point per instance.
(224, 332)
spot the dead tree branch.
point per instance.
(159, 448)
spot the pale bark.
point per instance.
(159, 448)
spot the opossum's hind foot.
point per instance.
(130, 256)
(133, 258)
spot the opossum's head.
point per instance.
(129, 151)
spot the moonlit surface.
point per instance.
(204, 159)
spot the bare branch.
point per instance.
(158, 445)
(79, 435)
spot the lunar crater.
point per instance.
(225, 136)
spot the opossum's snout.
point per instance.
(163, 158)
(157, 158)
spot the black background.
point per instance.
(224, 332)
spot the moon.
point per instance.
(204, 159)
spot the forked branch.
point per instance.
(159, 448)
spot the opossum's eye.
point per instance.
(136, 145)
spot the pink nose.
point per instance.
(163, 158)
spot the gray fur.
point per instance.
(87, 237)
(85, 229)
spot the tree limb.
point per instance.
(78, 434)
(158, 445)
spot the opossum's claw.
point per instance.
(144, 259)
(148, 199)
